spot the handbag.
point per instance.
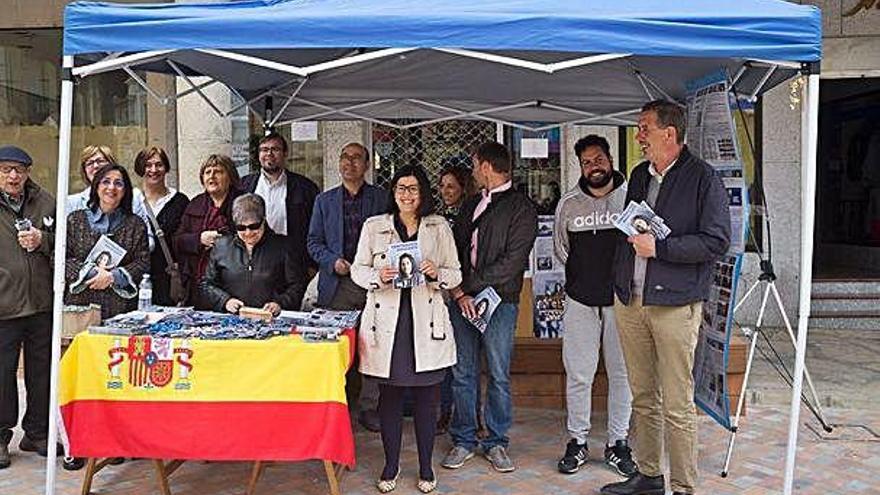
(177, 291)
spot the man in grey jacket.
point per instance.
(585, 239)
(26, 241)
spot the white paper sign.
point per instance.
(534, 148)
(304, 131)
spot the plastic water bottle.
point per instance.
(145, 293)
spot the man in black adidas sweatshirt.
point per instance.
(585, 240)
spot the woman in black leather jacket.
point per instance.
(251, 268)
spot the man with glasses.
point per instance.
(26, 240)
(289, 197)
(333, 238)
(660, 287)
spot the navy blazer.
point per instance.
(325, 239)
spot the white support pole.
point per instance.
(162, 100)
(58, 279)
(107, 65)
(766, 77)
(809, 140)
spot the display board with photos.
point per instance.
(711, 135)
(548, 283)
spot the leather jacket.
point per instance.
(266, 275)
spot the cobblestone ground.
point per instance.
(846, 462)
(843, 364)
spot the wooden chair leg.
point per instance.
(88, 475)
(331, 477)
(255, 476)
(159, 464)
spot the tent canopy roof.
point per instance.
(760, 29)
(407, 59)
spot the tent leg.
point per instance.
(60, 247)
(809, 138)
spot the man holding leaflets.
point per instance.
(661, 282)
(495, 232)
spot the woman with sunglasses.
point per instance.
(205, 220)
(252, 267)
(108, 213)
(406, 339)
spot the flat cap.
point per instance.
(15, 154)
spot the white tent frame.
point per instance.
(116, 61)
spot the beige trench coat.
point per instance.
(432, 331)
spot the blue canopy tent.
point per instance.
(506, 61)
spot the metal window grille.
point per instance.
(434, 147)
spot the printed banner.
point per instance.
(711, 135)
(548, 283)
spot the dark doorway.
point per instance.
(848, 200)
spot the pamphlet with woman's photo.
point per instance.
(484, 305)
(406, 258)
(639, 218)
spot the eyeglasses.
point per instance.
(411, 190)
(250, 226)
(19, 169)
(271, 149)
(96, 163)
(351, 158)
(118, 184)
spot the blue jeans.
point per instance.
(498, 344)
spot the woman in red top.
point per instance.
(206, 219)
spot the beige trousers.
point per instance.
(658, 346)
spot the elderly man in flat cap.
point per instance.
(26, 240)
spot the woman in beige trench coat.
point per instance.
(406, 339)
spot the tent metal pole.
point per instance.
(288, 102)
(809, 141)
(193, 90)
(641, 80)
(766, 77)
(247, 102)
(116, 63)
(66, 118)
(354, 59)
(499, 59)
(780, 63)
(163, 100)
(193, 86)
(609, 116)
(593, 59)
(347, 113)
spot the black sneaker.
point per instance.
(620, 458)
(4, 456)
(575, 457)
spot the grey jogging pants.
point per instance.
(588, 329)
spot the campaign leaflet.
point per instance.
(485, 303)
(106, 254)
(406, 257)
(639, 218)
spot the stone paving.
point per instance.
(844, 462)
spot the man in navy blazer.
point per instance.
(332, 242)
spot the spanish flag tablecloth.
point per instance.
(280, 399)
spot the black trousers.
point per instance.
(34, 333)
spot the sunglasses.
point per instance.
(250, 226)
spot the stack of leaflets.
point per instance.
(485, 303)
(639, 218)
(406, 257)
(322, 318)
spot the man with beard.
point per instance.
(585, 239)
(289, 197)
